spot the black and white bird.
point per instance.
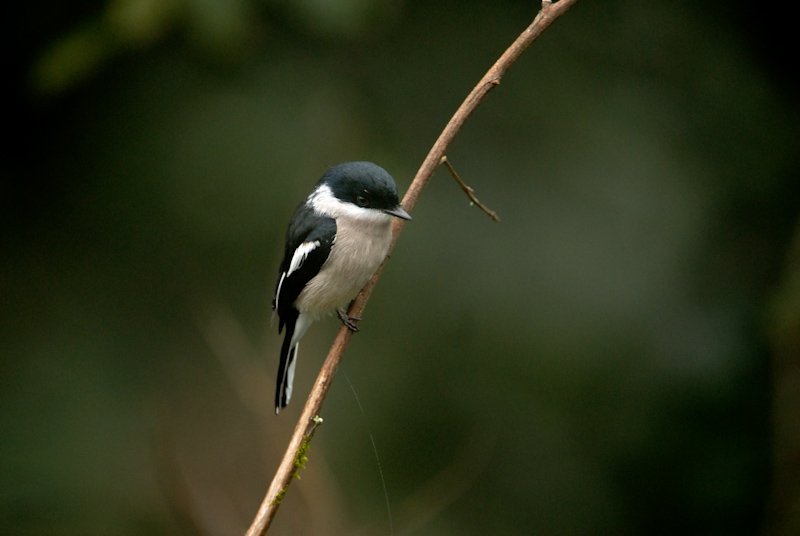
(336, 240)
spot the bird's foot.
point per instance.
(347, 320)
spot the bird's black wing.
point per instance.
(308, 244)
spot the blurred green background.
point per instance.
(611, 358)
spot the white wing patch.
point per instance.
(298, 258)
(278, 292)
(300, 255)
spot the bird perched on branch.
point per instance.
(337, 238)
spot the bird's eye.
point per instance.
(362, 201)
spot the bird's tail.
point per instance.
(283, 389)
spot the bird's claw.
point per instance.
(347, 320)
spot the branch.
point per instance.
(469, 191)
(309, 419)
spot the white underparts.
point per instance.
(362, 241)
(304, 322)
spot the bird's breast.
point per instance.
(357, 251)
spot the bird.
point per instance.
(336, 240)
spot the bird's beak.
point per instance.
(398, 212)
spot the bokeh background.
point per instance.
(617, 356)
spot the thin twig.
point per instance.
(287, 468)
(469, 191)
